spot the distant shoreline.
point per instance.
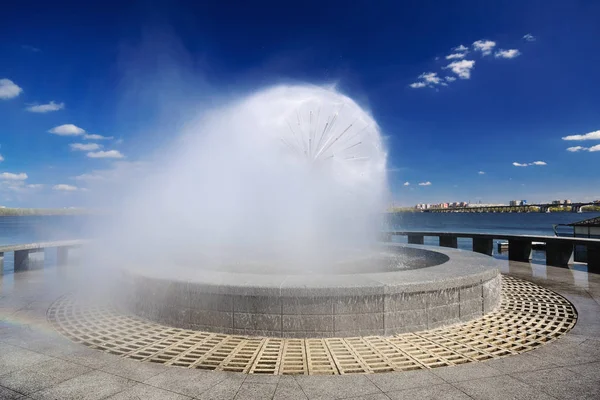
(22, 212)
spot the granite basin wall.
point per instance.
(381, 308)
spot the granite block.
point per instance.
(308, 323)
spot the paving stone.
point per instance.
(226, 389)
(404, 380)
(134, 370)
(376, 396)
(336, 386)
(259, 378)
(252, 391)
(563, 383)
(589, 369)
(94, 385)
(502, 387)
(185, 381)
(523, 363)
(147, 392)
(89, 357)
(436, 392)
(7, 394)
(18, 358)
(465, 372)
(42, 375)
(289, 389)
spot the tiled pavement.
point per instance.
(37, 363)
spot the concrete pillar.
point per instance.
(62, 256)
(449, 241)
(416, 239)
(483, 246)
(559, 253)
(519, 250)
(593, 258)
(21, 260)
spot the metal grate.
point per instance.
(528, 317)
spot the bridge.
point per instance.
(543, 207)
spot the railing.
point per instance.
(22, 251)
(559, 250)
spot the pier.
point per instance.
(21, 252)
(559, 250)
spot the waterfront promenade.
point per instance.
(38, 363)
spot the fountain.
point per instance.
(264, 222)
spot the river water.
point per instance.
(28, 229)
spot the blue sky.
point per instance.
(133, 73)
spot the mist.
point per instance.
(291, 174)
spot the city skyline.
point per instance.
(501, 105)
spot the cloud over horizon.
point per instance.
(106, 154)
(65, 188)
(13, 177)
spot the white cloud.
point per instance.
(484, 46)
(455, 55)
(88, 177)
(106, 154)
(588, 136)
(1, 158)
(9, 89)
(529, 37)
(462, 68)
(581, 148)
(481, 173)
(450, 78)
(461, 48)
(85, 146)
(67, 130)
(427, 79)
(430, 77)
(65, 187)
(406, 183)
(425, 183)
(511, 53)
(35, 186)
(516, 164)
(44, 108)
(417, 85)
(93, 136)
(13, 177)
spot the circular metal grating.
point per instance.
(528, 317)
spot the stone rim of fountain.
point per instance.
(463, 287)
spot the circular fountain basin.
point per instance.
(431, 287)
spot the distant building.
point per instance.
(567, 201)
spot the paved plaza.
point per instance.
(38, 363)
